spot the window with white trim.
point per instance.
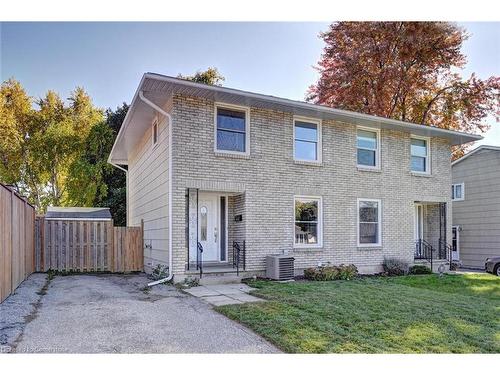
(369, 222)
(307, 140)
(154, 132)
(308, 222)
(457, 192)
(368, 148)
(231, 133)
(420, 155)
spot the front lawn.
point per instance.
(409, 314)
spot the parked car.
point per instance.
(492, 265)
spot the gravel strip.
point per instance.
(19, 309)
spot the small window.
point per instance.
(232, 130)
(420, 155)
(307, 140)
(368, 148)
(457, 192)
(369, 222)
(308, 224)
(154, 132)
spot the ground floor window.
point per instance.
(308, 221)
(369, 222)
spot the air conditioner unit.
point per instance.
(280, 267)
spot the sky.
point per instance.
(108, 59)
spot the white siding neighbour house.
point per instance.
(266, 175)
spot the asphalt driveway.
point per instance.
(116, 314)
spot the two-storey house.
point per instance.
(240, 175)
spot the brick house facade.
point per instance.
(255, 192)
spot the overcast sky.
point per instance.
(108, 59)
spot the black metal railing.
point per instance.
(445, 250)
(424, 251)
(199, 259)
(239, 256)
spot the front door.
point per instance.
(455, 242)
(208, 232)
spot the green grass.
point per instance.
(410, 314)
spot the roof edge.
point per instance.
(479, 148)
(306, 105)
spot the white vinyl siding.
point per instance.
(148, 193)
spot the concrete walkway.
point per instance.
(117, 314)
(224, 294)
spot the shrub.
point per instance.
(455, 264)
(420, 269)
(395, 267)
(159, 272)
(327, 273)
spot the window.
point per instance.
(457, 192)
(308, 222)
(154, 132)
(307, 140)
(369, 222)
(368, 148)
(420, 155)
(231, 129)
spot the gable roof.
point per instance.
(78, 213)
(482, 147)
(158, 88)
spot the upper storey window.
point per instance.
(420, 155)
(368, 148)
(307, 140)
(232, 132)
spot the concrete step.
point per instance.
(213, 279)
(435, 264)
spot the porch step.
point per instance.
(212, 279)
(435, 264)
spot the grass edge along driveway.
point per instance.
(408, 314)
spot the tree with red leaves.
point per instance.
(407, 71)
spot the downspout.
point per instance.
(170, 132)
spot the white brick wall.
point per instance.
(270, 179)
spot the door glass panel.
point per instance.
(203, 226)
(222, 228)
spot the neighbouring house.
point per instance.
(476, 206)
(242, 175)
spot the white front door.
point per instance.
(455, 243)
(208, 232)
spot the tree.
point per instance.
(405, 71)
(211, 76)
(15, 114)
(38, 146)
(94, 182)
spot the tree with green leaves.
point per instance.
(211, 76)
(39, 145)
(94, 182)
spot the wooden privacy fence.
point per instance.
(17, 220)
(87, 246)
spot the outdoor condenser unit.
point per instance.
(280, 267)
